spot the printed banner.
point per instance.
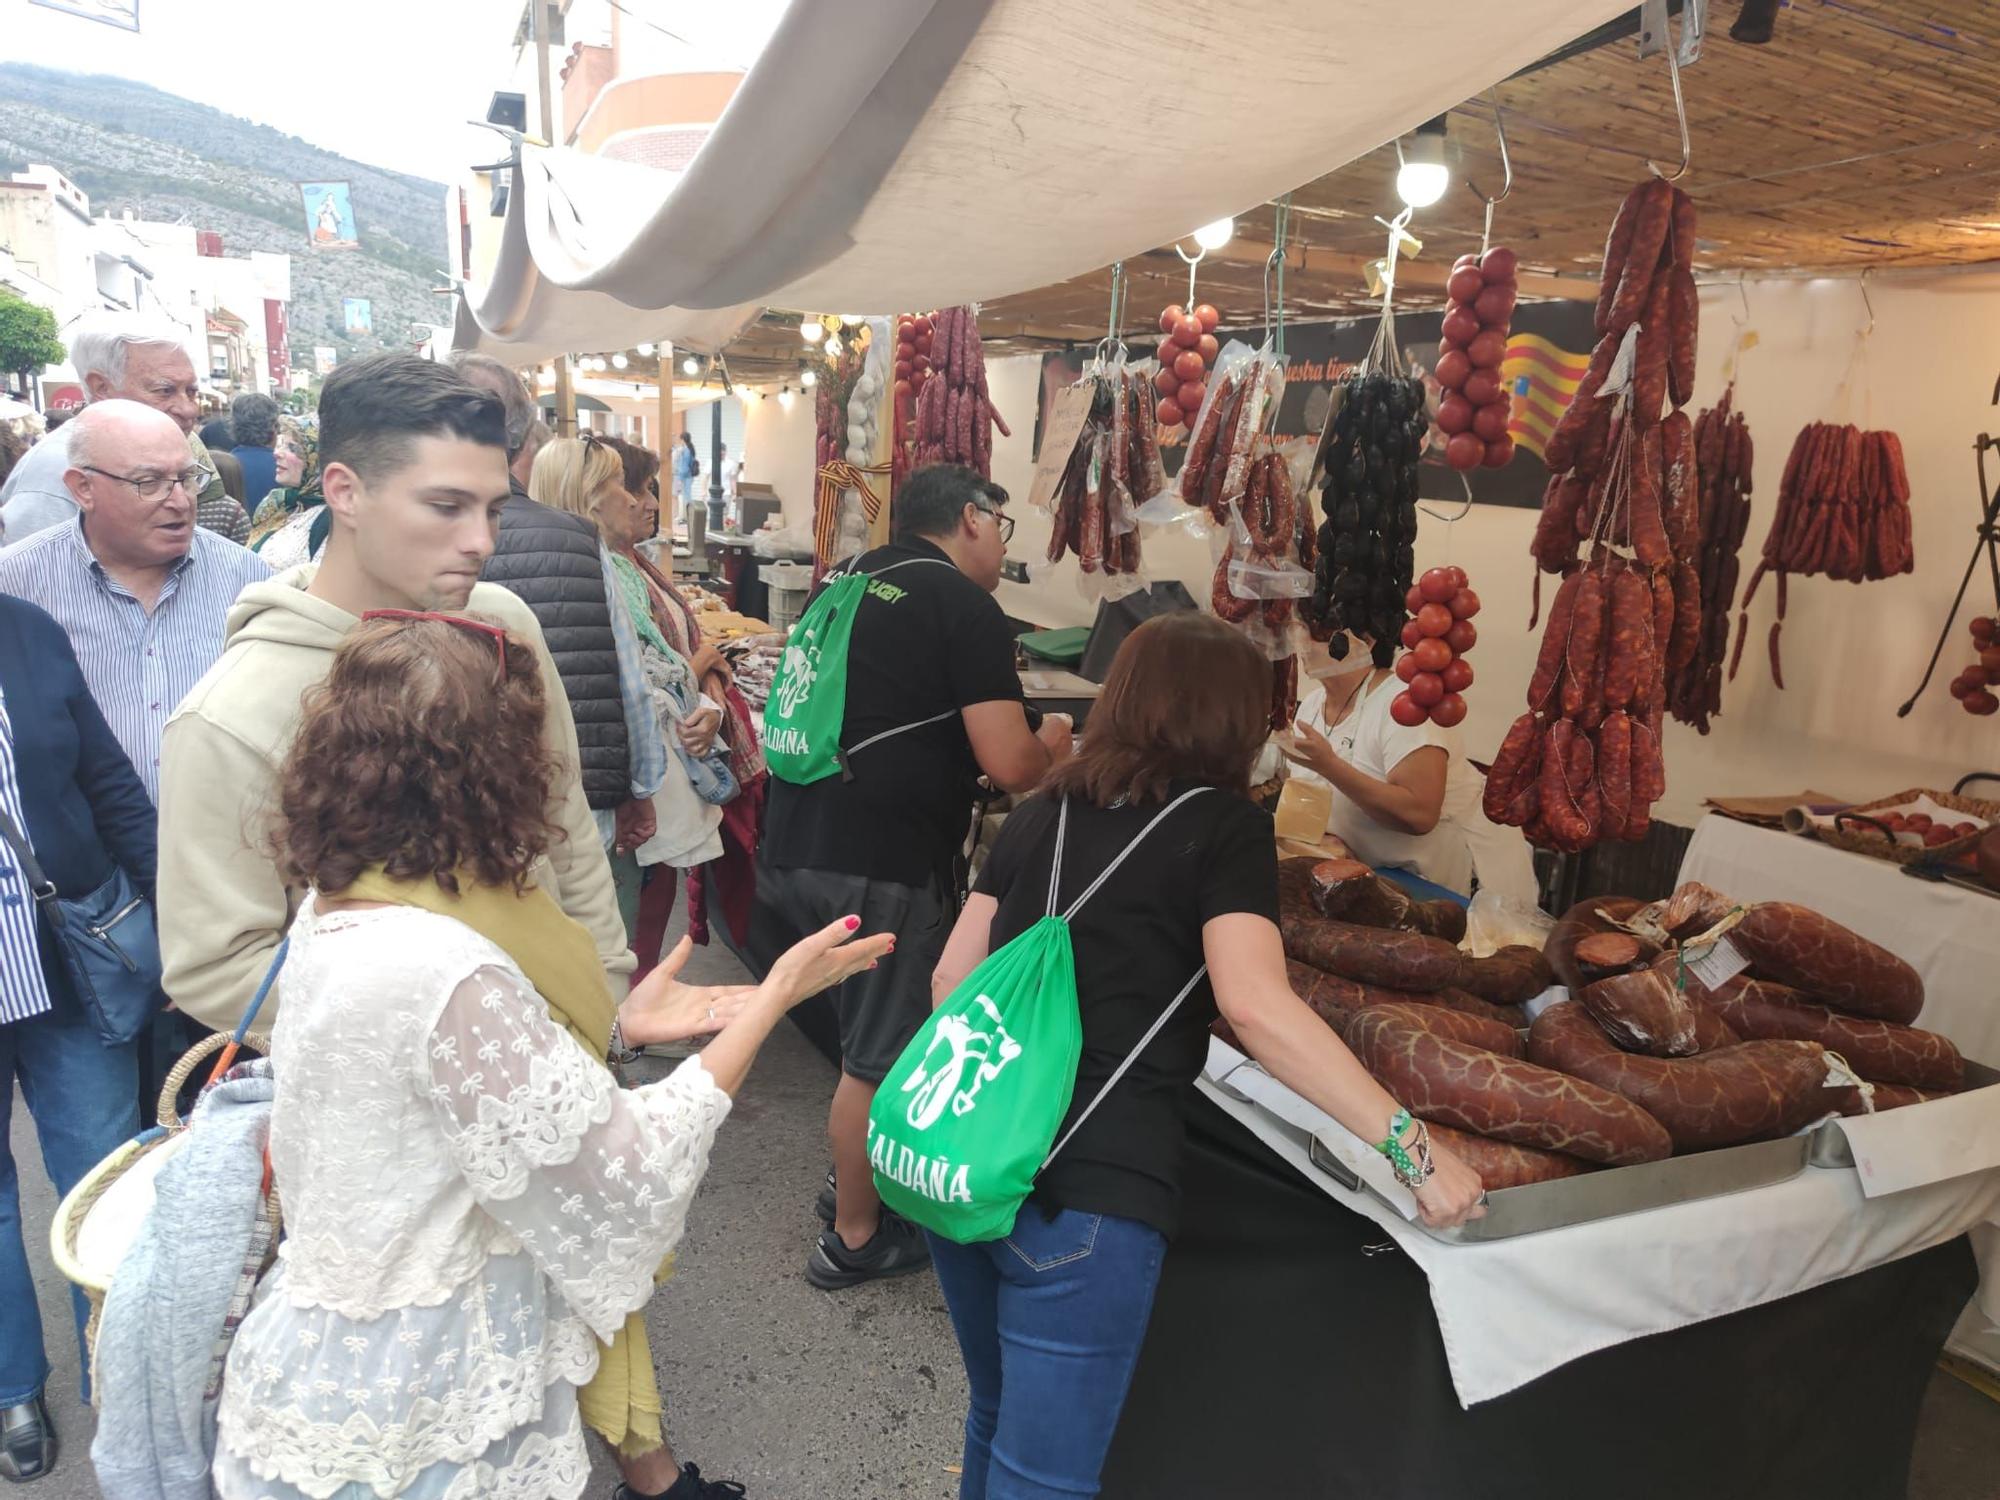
(1548, 348)
(124, 14)
(329, 210)
(359, 315)
(324, 359)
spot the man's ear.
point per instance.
(97, 385)
(78, 484)
(342, 488)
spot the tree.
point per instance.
(28, 338)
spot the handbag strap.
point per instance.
(38, 881)
(227, 1055)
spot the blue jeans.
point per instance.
(84, 1097)
(1049, 1322)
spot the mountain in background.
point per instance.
(168, 159)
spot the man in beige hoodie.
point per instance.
(415, 473)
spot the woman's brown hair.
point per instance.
(1187, 699)
(422, 752)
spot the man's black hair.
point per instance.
(373, 409)
(934, 499)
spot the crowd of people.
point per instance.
(439, 749)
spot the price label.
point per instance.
(1067, 414)
(1721, 963)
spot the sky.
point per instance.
(386, 82)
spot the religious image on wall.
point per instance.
(324, 359)
(124, 14)
(359, 315)
(329, 210)
(1548, 349)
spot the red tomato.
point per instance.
(1464, 284)
(922, 324)
(1191, 396)
(1961, 830)
(1983, 629)
(1482, 387)
(1499, 453)
(1495, 305)
(1208, 349)
(1467, 259)
(922, 344)
(1457, 575)
(1414, 600)
(1411, 635)
(1168, 412)
(1453, 366)
(1454, 415)
(1170, 317)
(1166, 382)
(1464, 604)
(1457, 675)
(1498, 264)
(1981, 703)
(1406, 666)
(903, 369)
(1431, 654)
(1489, 423)
(1168, 352)
(1187, 333)
(1188, 365)
(1461, 325)
(1433, 619)
(1962, 684)
(1918, 822)
(1488, 349)
(1894, 822)
(1450, 711)
(903, 385)
(1939, 834)
(1207, 316)
(1464, 451)
(1462, 636)
(906, 334)
(1426, 688)
(1436, 586)
(1989, 658)
(1410, 713)
(919, 362)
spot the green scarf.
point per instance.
(639, 600)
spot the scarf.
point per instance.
(556, 952)
(638, 602)
(678, 621)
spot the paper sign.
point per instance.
(1622, 364)
(1722, 963)
(1067, 414)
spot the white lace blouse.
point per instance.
(470, 1204)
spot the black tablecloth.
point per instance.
(1285, 1362)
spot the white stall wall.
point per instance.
(778, 451)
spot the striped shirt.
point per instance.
(24, 992)
(139, 665)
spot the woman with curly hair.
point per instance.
(474, 1208)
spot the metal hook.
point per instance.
(1280, 228)
(1200, 255)
(1680, 108)
(1463, 511)
(1869, 303)
(1119, 287)
(1506, 167)
(1743, 294)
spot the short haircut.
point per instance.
(373, 409)
(217, 432)
(102, 342)
(642, 465)
(934, 499)
(486, 372)
(573, 474)
(253, 419)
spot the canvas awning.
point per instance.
(920, 153)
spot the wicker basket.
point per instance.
(1841, 836)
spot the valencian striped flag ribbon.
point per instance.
(1541, 378)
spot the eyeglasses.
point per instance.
(499, 635)
(1005, 523)
(154, 486)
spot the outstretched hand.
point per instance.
(662, 1009)
(827, 957)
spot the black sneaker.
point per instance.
(691, 1486)
(28, 1440)
(826, 1205)
(897, 1249)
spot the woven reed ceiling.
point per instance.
(1865, 134)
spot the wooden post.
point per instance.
(666, 441)
(538, 10)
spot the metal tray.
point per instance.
(1829, 1146)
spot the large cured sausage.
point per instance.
(1750, 1092)
(1880, 1051)
(1472, 1030)
(1647, 1011)
(1335, 999)
(1579, 922)
(1374, 955)
(1501, 1164)
(1512, 976)
(1797, 946)
(1473, 1089)
(1349, 890)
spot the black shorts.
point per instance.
(880, 1008)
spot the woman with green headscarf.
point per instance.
(290, 526)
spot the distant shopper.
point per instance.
(291, 526)
(686, 466)
(253, 417)
(217, 434)
(129, 358)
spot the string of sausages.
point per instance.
(1723, 455)
(1113, 470)
(1843, 510)
(955, 417)
(1584, 763)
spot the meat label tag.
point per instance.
(1067, 414)
(1722, 963)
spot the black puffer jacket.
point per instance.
(548, 559)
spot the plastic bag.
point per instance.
(786, 541)
(1494, 921)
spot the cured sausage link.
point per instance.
(1797, 946)
(1880, 1051)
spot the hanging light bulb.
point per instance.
(619, 361)
(785, 397)
(1215, 236)
(646, 351)
(1423, 176)
(690, 366)
(808, 379)
(811, 329)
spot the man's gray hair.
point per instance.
(102, 341)
(486, 372)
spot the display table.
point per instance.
(1293, 1353)
(1951, 936)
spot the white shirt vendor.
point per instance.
(1463, 841)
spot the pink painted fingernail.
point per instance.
(853, 923)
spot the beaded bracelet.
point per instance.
(1413, 1173)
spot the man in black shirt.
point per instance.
(930, 670)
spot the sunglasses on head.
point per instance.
(499, 636)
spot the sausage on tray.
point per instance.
(1646, 1010)
(1473, 1089)
(1880, 1051)
(1474, 1031)
(1752, 1091)
(1512, 976)
(1373, 955)
(1501, 1164)
(1797, 946)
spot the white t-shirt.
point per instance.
(1375, 744)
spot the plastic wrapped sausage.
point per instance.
(1647, 1010)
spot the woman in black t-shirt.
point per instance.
(1064, 1299)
